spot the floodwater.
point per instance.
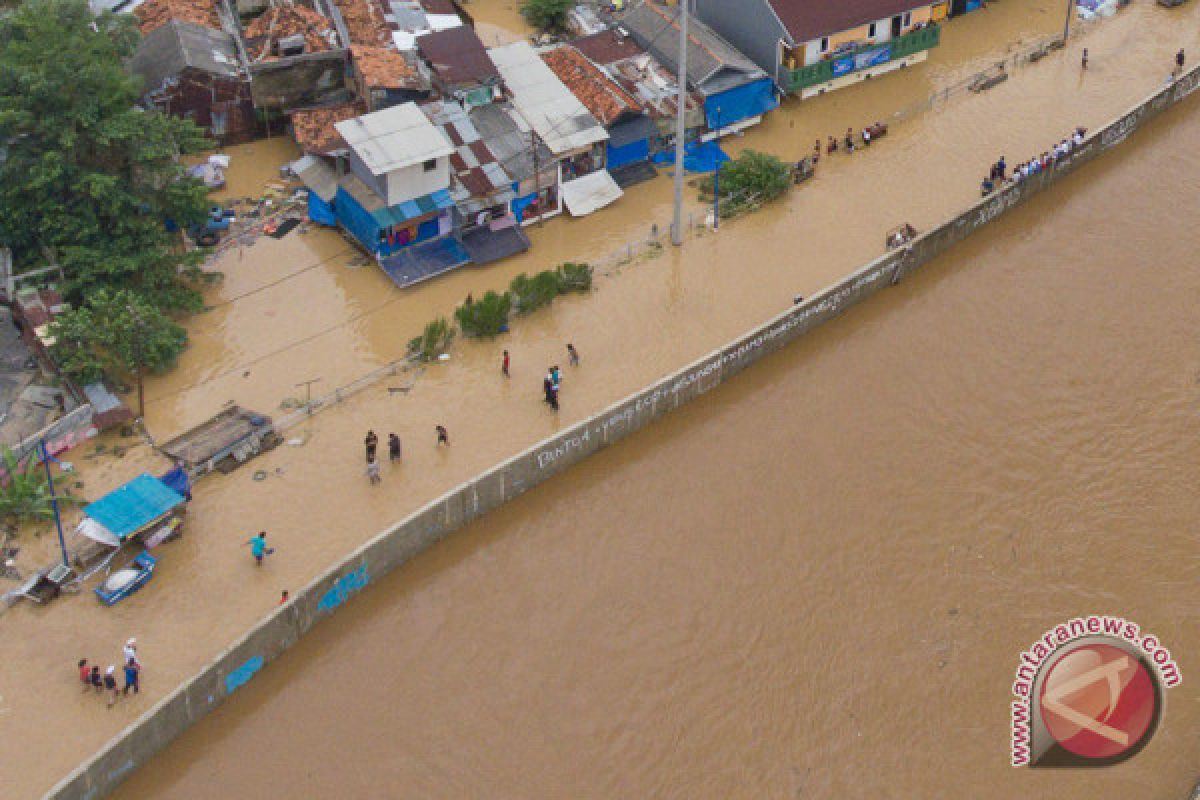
(815, 581)
(296, 308)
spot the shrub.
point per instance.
(530, 294)
(24, 490)
(433, 341)
(546, 14)
(752, 177)
(574, 277)
(487, 316)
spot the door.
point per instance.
(897, 24)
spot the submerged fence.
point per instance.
(237, 665)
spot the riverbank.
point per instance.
(652, 319)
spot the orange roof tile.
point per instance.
(381, 68)
(606, 100)
(153, 14)
(364, 22)
(314, 127)
(281, 22)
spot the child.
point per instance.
(110, 685)
(572, 355)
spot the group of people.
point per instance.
(1027, 169)
(553, 379)
(93, 680)
(395, 453)
(849, 142)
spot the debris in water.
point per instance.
(260, 475)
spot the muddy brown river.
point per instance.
(815, 581)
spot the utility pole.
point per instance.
(537, 176)
(717, 181)
(62, 542)
(1067, 24)
(137, 357)
(308, 393)
(680, 129)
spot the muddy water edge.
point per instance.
(815, 581)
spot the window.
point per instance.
(907, 18)
(431, 165)
(871, 30)
(825, 44)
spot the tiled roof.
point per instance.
(381, 68)
(808, 19)
(602, 97)
(153, 14)
(608, 46)
(478, 174)
(313, 127)
(364, 22)
(281, 22)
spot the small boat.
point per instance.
(127, 580)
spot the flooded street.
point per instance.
(815, 581)
(916, 445)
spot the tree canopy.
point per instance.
(114, 334)
(87, 179)
(546, 14)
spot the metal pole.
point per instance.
(1067, 24)
(62, 542)
(680, 130)
(717, 181)
(308, 393)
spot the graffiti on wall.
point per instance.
(348, 584)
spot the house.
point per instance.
(410, 20)
(459, 66)
(630, 128)
(194, 71)
(656, 88)
(396, 191)
(534, 171)
(736, 91)
(481, 187)
(561, 121)
(296, 52)
(385, 78)
(811, 46)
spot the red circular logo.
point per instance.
(1098, 701)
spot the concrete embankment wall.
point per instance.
(450, 512)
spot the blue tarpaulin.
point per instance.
(319, 211)
(744, 102)
(631, 153)
(697, 156)
(129, 508)
(178, 480)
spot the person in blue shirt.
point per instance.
(258, 547)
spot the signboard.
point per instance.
(862, 60)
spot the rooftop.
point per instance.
(810, 19)
(477, 171)
(381, 68)
(153, 14)
(394, 138)
(457, 56)
(314, 127)
(607, 101)
(175, 46)
(508, 138)
(713, 65)
(281, 22)
(364, 22)
(558, 116)
(608, 47)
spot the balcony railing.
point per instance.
(900, 47)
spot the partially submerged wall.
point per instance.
(450, 512)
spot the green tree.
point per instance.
(487, 316)
(114, 334)
(530, 294)
(752, 177)
(24, 490)
(433, 341)
(546, 15)
(88, 179)
(573, 277)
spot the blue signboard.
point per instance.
(867, 58)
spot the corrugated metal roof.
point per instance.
(558, 117)
(393, 138)
(175, 46)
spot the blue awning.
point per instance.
(129, 508)
(745, 102)
(409, 210)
